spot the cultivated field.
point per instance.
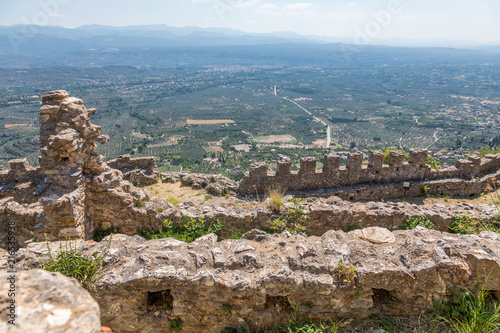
(275, 138)
(209, 121)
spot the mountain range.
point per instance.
(94, 45)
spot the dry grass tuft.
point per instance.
(275, 196)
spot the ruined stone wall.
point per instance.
(355, 173)
(262, 278)
(138, 171)
(73, 191)
(20, 171)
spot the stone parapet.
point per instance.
(333, 176)
(262, 276)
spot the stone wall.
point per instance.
(138, 171)
(260, 278)
(334, 176)
(20, 171)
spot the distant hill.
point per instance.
(162, 45)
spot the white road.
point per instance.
(328, 136)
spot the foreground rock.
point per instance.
(151, 286)
(47, 303)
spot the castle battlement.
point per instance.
(356, 173)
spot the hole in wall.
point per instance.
(278, 303)
(65, 159)
(160, 300)
(383, 299)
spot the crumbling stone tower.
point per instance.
(67, 145)
(81, 192)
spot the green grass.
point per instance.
(173, 201)
(470, 312)
(71, 262)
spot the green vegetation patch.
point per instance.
(415, 221)
(188, 230)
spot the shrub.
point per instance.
(175, 325)
(432, 162)
(344, 274)
(387, 153)
(488, 150)
(71, 262)
(187, 230)
(465, 224)
(414, 221)
(292, 222)
(462, 224)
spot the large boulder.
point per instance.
(43, 302)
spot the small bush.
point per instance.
(465, 224)
(292, 222)
(488, 150)
(208, 197)
(187, 231)
(387, 153)
(432, 162)
(345, 275)
(414, 221)
(462, 224)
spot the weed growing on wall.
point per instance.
(72, 262)
(292, 222)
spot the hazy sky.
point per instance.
(368, 20)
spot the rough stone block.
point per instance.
(396, 159)
(284, 168)
(476, 160)
(354, 161)
(20, 165)
(258, 170)
(466, 167)
(307, 165)
(50, 302)
(418, 157)
(331, 164)
(375, 159)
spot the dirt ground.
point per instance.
(180, 194)
(489, 198)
